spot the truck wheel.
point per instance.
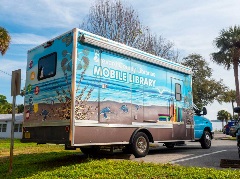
(206, 140)
(140, 145)
(238, 145)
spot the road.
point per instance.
(193, 155)
(190, 154)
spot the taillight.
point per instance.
(67, 128)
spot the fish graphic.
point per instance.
(104, 111)
(137, 107)
(124, 108)
(44, 113)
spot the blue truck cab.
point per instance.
(203, 131)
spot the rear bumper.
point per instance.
(46, 134)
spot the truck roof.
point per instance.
(111, 45)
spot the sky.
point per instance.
(191, 25)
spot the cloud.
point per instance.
(192, 26)
(7, 66)
(27, 39)
(45, 13)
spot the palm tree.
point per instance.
(223, 115)
(228, 97)
(4, 40)
(228, 55)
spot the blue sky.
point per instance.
(190, 25)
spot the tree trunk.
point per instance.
(235, 68)
(232, 109)
(222, 125)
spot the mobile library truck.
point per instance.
(86, 92)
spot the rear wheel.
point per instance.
(140, 145)
(206, 140)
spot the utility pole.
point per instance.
(15, 90)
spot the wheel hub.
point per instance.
(141, 144)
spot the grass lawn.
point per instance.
(52, 161)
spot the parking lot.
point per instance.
(193, 155)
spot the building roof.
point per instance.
(216, 120)
(8, 117)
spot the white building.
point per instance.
(217, 125)
(5, 126)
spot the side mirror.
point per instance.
(204, 110)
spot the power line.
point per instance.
(6, 73)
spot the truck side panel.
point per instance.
(107, 95)
(120, 94)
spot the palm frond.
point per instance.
(5, 40)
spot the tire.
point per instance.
(140, 145)
(206, 140)
(169, 145)
(239, 152)
(93, 150)
(238, 145)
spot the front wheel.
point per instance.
(140, 145)
(206, 140)
(238, 144)
(239, 152)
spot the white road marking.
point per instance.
(182, 160)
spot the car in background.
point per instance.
(238, 139)
(232, 131)
(226, 129)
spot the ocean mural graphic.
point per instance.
(109, 87)
(119, 89)
(48, 83)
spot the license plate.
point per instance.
(27, 135)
